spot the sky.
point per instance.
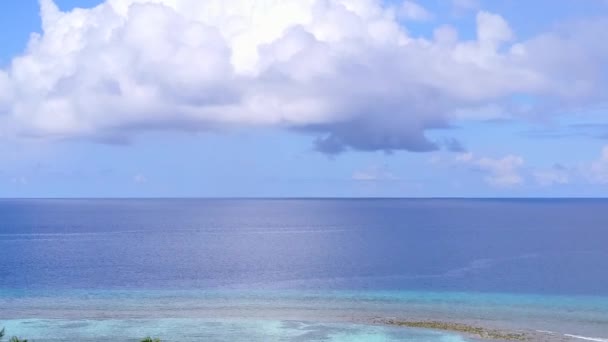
(303, 98)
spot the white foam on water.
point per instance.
(596, 339)
(546, 332)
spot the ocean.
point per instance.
(301, 269)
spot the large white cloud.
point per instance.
(343, 70)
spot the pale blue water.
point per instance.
(218, 330)
(299, 270)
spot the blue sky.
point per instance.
(434, 98)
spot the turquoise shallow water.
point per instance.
(255, 315)
(186, 330)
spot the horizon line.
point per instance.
(305, 198)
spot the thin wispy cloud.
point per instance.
(556, 175)
(410, 10)
(499, 172)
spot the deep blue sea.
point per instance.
(300, 269)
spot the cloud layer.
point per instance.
(345, 71)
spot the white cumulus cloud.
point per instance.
(345, 71)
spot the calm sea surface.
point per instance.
(539, 264)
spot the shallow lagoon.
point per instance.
(218, 330)
(292, 315)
